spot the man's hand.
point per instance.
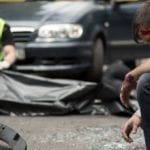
(128, 85)
(130, 127)
(4, 65)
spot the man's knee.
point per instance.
(143, 87)
(143, 97)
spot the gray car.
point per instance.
(72, 37)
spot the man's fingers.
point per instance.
(126, 134)
(124, 99)
(134, 130)
(125, 93)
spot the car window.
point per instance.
(54, 0)
(117, 1)
(121, 1)
(34, 0)
(12, 0)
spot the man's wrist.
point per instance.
(138, 113)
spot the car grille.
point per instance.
(22, 34)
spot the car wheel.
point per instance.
(95, 72)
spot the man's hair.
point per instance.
(141, 18)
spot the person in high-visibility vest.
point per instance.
(7, 46)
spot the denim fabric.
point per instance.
(143, 96)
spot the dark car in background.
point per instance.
(72, 37)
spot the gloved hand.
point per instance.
(4, 65)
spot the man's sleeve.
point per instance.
(7, 37)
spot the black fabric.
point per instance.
(112, 81)
(7, 37)
(113, 78)
(30, 94)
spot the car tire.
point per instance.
(96, 70)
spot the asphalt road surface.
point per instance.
(74, 132)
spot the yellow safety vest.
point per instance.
(2, 23)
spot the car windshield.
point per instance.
(42, 0)
(33, 0)
(68, 0)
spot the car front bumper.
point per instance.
(55, 57)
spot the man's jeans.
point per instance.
(143, 96)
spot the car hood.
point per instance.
(36, 13)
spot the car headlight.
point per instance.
(59, 32)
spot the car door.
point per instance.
(120, 33)
(120, 18)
